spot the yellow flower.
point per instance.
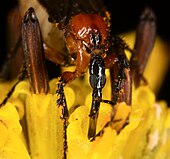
(142, 137)
(31, 126)
(146, 135)
(11, 142)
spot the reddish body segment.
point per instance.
(84, 34)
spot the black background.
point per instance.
(125, 15)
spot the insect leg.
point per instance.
(62, 102)
(120, 75)
(82, 62)
(145, 38)
(62, 99)
(118, 65)
(121, 81)
(97, 81)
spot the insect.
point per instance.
(86, 29)
(89, 43)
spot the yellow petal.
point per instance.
(11, 145)
(143, 98)
(45, 127)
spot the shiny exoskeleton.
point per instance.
(83, 35)
(89, 44)
(97, 81)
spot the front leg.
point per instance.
(82, 62)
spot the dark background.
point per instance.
(125, 15)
